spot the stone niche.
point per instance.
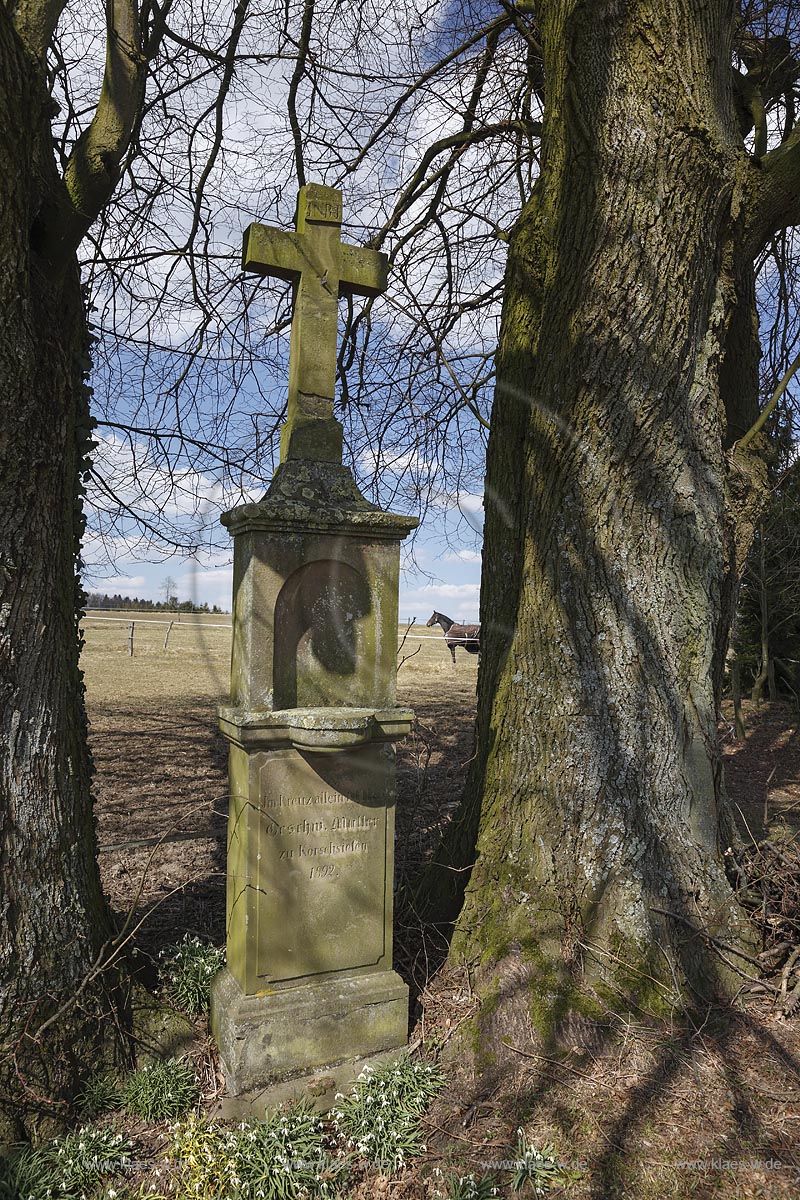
(323, 613)
(309, 984)
(315, 620)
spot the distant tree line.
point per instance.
(100, 600)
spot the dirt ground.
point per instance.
(161, 782)
(633, 1107)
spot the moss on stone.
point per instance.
(161, 1032)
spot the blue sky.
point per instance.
(160, 367)
(442, 570)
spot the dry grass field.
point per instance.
(161, 764)
(641, 1110)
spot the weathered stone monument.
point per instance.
(309, 987)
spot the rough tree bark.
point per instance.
(53, 915)
(766, 670)
(618, 513)
(55, 929)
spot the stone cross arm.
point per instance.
(282, 255)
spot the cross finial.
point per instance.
(322, 268)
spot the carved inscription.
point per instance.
(295, 835)
(323, 862)
(323, 210)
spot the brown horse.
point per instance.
(468, 636)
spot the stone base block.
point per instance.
(280, 1036)
(320, 1087)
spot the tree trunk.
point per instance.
(736, 696)
(53, 918)
(616, 522)
(765, 675)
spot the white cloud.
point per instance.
(457, 600)
(397, 462)
(125, 581)
(468, 504)
(456, 591)
(471, 506)
(214, 586)
(210, 575)
(99, 551)
(149, 487)
(197, 579)
(466, 556)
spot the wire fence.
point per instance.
(405, 635)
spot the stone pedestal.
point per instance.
(312, 721)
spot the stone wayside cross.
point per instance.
(309, 994)
(322, 268)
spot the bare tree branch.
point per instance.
(297, 75)
(35, 22)
(93, 169)
(775, 190)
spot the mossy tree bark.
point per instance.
(55, 930)
(618, 513)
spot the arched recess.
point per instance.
(319, 637)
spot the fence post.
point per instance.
(169, 631)
(130, 638)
